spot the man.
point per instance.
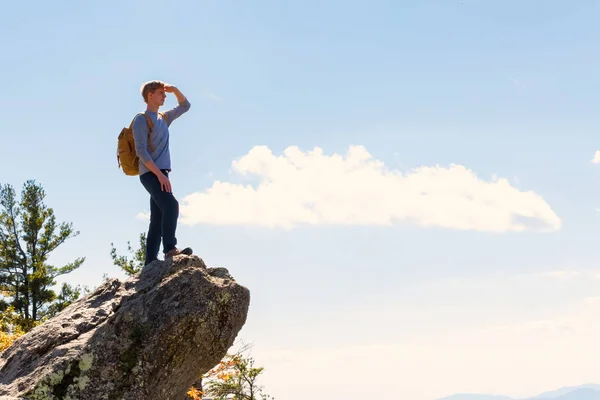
(155, 166)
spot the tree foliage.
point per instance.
(136, 263)
(9, 331)
(235, 377)
(29, 232)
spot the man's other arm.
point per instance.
(140, 137)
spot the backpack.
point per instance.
(127, 159)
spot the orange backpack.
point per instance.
(127, 158)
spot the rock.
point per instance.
(149, 337)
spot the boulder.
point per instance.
(149, 337)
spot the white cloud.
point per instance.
(562, 274)
(585, 275)
(596, 159)
(313, 188)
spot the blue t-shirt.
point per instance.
(160, 137)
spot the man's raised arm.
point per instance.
(182, 106)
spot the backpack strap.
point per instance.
(164, 115)
(151, 126)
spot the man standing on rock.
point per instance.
(155, 166)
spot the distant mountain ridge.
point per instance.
(557, 394)
(583, 392)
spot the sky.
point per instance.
(410, 190)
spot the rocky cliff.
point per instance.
(149, 337)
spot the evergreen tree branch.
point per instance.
(26, 279)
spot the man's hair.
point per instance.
(151, 86)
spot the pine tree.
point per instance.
(133, 266)
(29, 232)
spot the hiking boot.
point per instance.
(175, 252)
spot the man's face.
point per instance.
(158, 97)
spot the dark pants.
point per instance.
(164, 211)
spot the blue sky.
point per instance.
(447, 298)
